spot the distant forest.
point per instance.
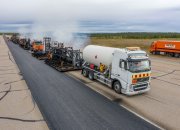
(1, 33)
(135, 35)
(127, 35)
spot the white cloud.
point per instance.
(65, 15)
(72, 9)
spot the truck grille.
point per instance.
(143, 79)
(140, 87)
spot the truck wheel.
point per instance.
(176, 55)
(91, 75)
(85, 72)
(117, 87)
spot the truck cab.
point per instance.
(37, 46)
(131, 69)
(153, 47)
(38, 49)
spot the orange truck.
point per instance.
(38, 49)
(37, 46)
(164, 47)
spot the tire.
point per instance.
(157, 52)
(176, 55)
(85, 72)
(91, 75)
(173, 54)
(117, 87)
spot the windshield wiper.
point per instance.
(137, 71)
(134, 71)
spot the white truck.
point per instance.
(125, 70)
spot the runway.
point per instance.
(67, 103)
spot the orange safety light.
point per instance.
(134, 81)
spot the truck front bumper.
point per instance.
(137, 89)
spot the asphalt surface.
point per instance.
(67, 103)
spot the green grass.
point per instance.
(144, 44)
(127, 39)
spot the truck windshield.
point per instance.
(139, 66)
(38, 43)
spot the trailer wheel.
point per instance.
(85, 72)
(117, 87)
(91, 75)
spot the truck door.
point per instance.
(123, 72)
(119, 69)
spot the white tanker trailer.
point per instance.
(125, 70)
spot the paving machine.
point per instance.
(24, 43)
(15, 38)
(64, 59)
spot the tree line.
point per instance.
(8, 33)
(135, 35)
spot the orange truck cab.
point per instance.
(37, 46)
(164, 47)
(40, 49)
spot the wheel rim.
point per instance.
(116, 87)
(84, 73)
(90, 76)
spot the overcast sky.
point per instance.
(90, 16)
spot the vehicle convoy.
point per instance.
(171, 48)
(64, 58)
(21, 41)
(125, 70)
